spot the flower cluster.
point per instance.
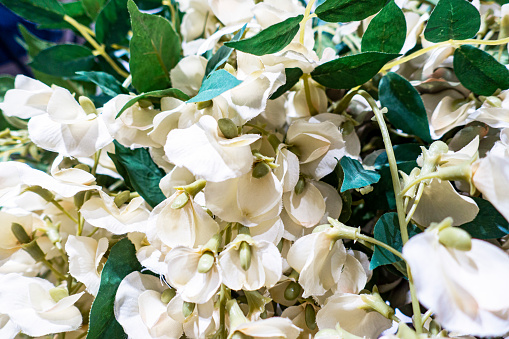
(211, 199)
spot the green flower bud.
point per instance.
(228, 128)
(456, 238)
(374, 302)
(310, 317)
(260, 170)
(44, 193)
(204, 104)
(87, 105)
(34, 250)
(58, 293)
(206, 261)
(20, 233)
(180, 201)
(292, 291)
(79, 199)
(299, 187)
(122, 198)
(187, 308)
(144, 103)
(195, 187)
(245, 255)
(167, 295)
(83, 167)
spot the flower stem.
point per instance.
(441, 44)
(399, 200)
(57, 205)
(307, 16)
(99, 49)
(381, 244)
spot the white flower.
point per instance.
(131, 128)
(208, 155)
(140, 311)
(466, 290)
(104, 213)
(28, 98)
(305, 208)
(67, 128)
(30, 305)
(247, 200)
(345, 310)
(273, 328)
(9, 244)
(183, 273)
(85, 256)
(440, 200)
(189, 225)
(230, 12)
(202, 321)
(319, 145)
(491, 177)
(187, 75)
(319, 258)
(265, 267)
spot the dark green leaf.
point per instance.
(292, 77)
(155, 50)
(93, 7)
(352, 70)
(405, 107)
(64, 60)
(271, 40)
(386, 32)
(387, 231)
(33, 44)
(121, 261)
(488, 224)
(218, 82)
(452, 19)
(106, 82)
(76, 11)
(170, 92)
(355, 176)
(38, 11)
(144, 175)
(348, 10)
(113, 23)
(222, 54)
(478, 71)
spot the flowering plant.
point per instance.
(190, 169)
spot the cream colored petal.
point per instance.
(63, 107)
(232, 11)
(187, 75)
(306, 208)
(28, 98)
(288, 170)
(440, 200)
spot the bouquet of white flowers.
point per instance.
(257, 169)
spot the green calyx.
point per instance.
(228, 128)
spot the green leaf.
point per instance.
(387, 231)
(121, 261)
(74, 10)
(63, 60)
(478, 71)
(352, 70)
(38, 11)
(405, 107)
(222, 54)
(348, 10)
(217, 82)
(452, 19)
(34, 45)
(93, 7)
(292, 77)
(488, 224)
(355, 176)
(113, 23)
(170, 92)
(155, 50)
(271, 40)
(144, 175)
(386, 32)
(106, 82)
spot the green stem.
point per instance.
(57, 204)
(381, 244)
(307, 91)
(53, 269)
(441, 44)
(399, 201)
